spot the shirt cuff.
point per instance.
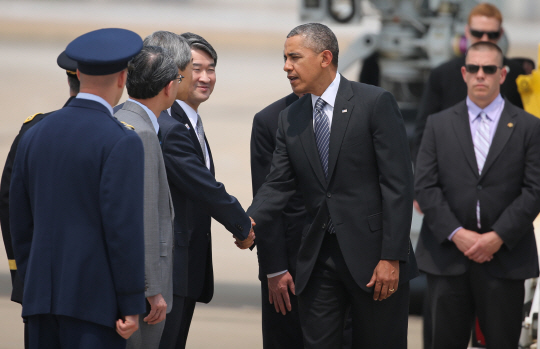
(276, 274)
(453, 233)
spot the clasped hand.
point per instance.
(479, 248)
(249, 241)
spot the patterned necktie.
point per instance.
(322, 137)
(200, 134)
(481, 149)
(322, 134)
(482, 141)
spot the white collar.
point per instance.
(329, 95)
(192, 114)
(151, 114)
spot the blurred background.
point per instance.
(248, 36)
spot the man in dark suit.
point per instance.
(70, 67)
(277, 247)
(478, 183)
(76, 208)
(343, 146)
(445, 86)
(197, 197)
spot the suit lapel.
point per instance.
(180, 115)
(340, 119)
(501, 136)
(462, 129)
(304, 122)
(212, 170)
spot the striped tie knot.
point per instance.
(484, 117)
(320, 104)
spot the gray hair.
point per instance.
(149, 72)
(174, 43)
(198, 42)
(318, 37)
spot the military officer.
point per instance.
(76, 208)
(70, 67)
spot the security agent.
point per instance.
(76, 208)
(70, 67)
(445, 87)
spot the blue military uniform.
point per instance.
(76, 211)
(17, 292)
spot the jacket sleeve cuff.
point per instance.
(132, 303)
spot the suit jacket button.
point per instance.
(324, 226)
(239, 227)
(329, 195)
(479, 187)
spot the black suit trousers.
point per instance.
(455, 300)
(280, 331)
(177, 323)
(332, 292)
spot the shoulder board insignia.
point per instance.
(128, 126)
(12, 264)
(30, 118)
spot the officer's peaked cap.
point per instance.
(104, 51)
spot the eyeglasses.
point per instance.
(488, 69)
(179, 78)
(491, 35)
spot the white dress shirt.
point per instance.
(329, 96)
(193, 116)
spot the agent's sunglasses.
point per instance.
(488, 69)
(491, 35)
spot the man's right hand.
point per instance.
(158, 309)
(278, 292)
(249, 241)
(126, 327)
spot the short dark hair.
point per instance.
(318, 38)
(486, 46)
(149, 72)
(74, 83)
(198, 42)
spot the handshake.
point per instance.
(249, 241)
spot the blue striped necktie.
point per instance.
(322, 137)
(482, 143)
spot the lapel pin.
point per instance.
(187, 126)
(344, 111)
(510, 125)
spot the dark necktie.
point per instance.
(322, 137)
(160, 138)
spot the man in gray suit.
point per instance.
(152, 85)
